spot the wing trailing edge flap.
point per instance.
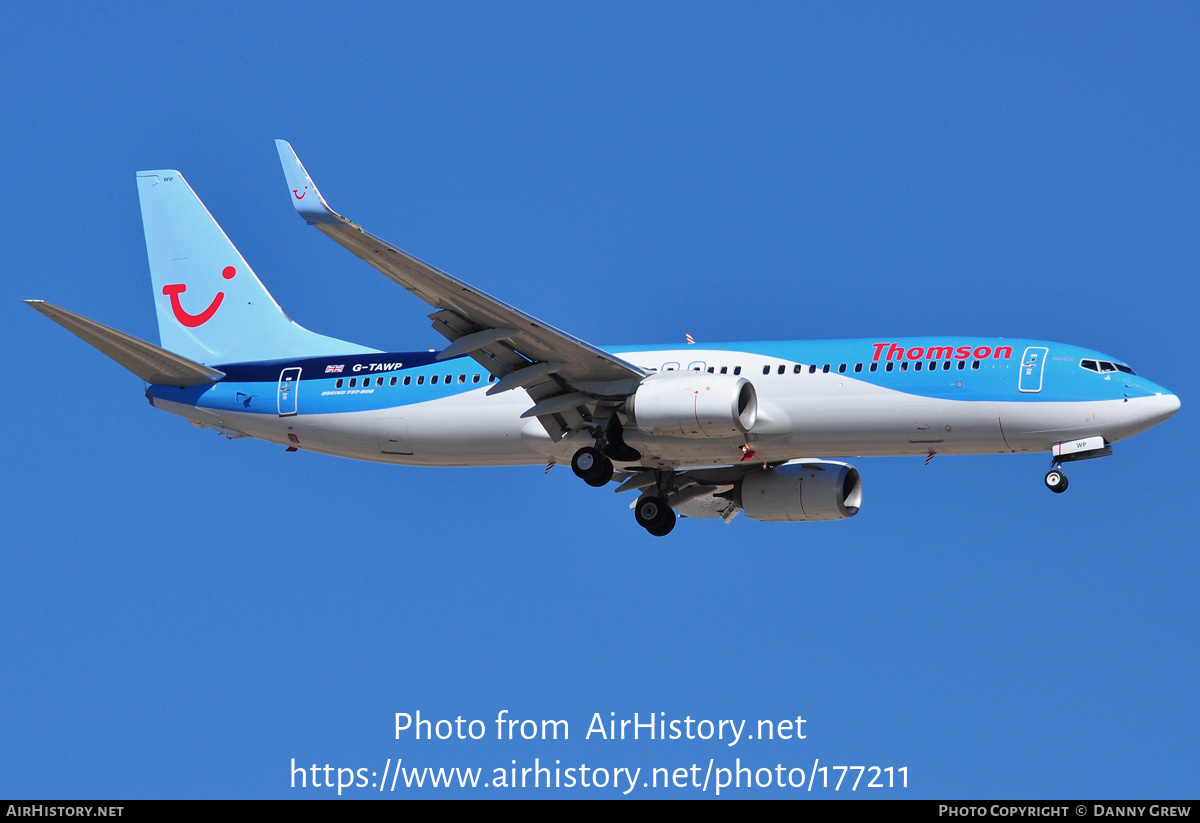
(499, 337)
(147, 361)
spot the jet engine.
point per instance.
(694, 404)
(803, 490)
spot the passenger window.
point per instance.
(782, 369)
(475, 378)
(975, 364)
(812, 369)
(945, 365)
(448, 377)
(379, 381)
(917, 366)
(889, 366)
(737, 369)
(491, 378)
(407, 380)
(903, 365)
(462, 378)
(670, 367)
(825, 369)
(421, 380)
(712, 369)
(962, 364)
(874, 367)
(857, 368)
(724, 369)
(796, 369)
(338, 384)
(353, 382)
(842, 369)
(766, 369)
(433, 380)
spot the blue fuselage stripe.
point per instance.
(979, 369)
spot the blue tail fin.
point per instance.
(211, 306)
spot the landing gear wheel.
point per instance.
(663, 531)
(592, 467)
(654, 515)
(1056, 481)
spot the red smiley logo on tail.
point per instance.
(300, 194)
(193, 320)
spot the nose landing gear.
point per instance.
(1056, 481)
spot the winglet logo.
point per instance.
(300, 194)
(173, 291)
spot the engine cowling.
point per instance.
(808, 490)
(694, 404)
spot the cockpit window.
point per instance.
(1104, 366)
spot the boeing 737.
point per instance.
(702, 430)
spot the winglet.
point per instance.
(303, 191)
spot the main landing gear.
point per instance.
(592, 467)
(1056, 481)
(654, 515)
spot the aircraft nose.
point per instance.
(1154, 410)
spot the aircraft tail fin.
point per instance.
(211, 305)
(147, 361)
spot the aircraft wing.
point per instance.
(564, 375)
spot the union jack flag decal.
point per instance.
(691, 340)
(334, 369)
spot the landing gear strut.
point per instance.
(1056, 481)
(592, 467)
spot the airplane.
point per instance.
(698, 430)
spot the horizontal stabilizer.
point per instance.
(149, 362)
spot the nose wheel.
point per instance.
(1056, 481)
(592, 467)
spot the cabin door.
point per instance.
(1032, 364)
(289, 387)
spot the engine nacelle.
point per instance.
(808, 490)
(694, 404)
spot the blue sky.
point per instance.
(184, 615)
